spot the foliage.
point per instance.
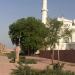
(21, 70)
(30, 61)
(58, 66)
(67, 34)
(54, 32)
(11, 56)
(26, 70)
(22, 59)
(27, 61)
(29, 32)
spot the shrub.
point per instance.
(30, 61)
(26, 70)
(58, 66)
(26, 61)
(21, 70)
(11, 56)
(22, 59)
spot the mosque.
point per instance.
(67, 43)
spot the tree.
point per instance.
(67, 33)
(54, 34)
(30, 31)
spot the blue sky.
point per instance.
(11, 10)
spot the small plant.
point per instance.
(26, 61)
(22, 59)
(11, 56)
(58, 66)
(30, 61)
(23, 69)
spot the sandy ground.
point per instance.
(42, 63)
(5, 66)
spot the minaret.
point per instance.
(44, 11)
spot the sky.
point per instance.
(11, 10)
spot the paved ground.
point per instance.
(5, 66)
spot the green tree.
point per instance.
(30, 31)
(67, 36)
(54, 34)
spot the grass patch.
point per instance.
(11, 56)
(22, 59)
(27, 61)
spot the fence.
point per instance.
(65, 55)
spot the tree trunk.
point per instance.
(52, 57)
(45, 47)
(28, 51)
(17, 53)
(58, 56)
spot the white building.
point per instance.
(67, 43)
